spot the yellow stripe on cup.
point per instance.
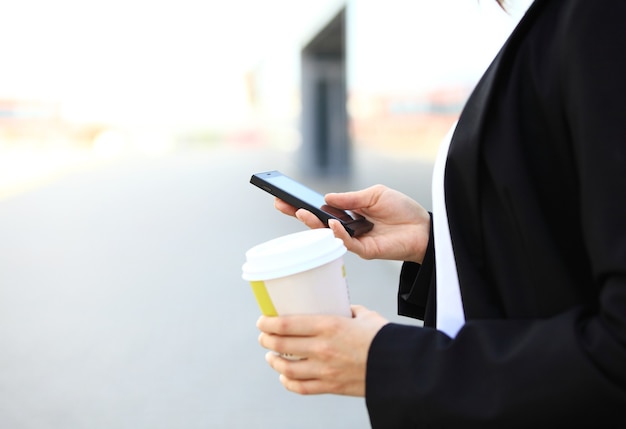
(263, 298)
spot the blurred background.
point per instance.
(128, 133)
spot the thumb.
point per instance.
(349, 200)
(358, 310)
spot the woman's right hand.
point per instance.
(401, 226)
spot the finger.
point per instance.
(278, 344)
(353, 200)
(344, 200)
(297, 376)
(340, 232)
(358, 310)
(295, 326)
(296, 369)
(309, 219)
(284, 207)
(305, 387)
(299, 347)
(372, 319)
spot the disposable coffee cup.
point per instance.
(300, 273)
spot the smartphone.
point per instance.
(300, 196)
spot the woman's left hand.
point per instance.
(334, 349)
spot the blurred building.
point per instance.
(325, 77)
(40, 122)
(389, 75)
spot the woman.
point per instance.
(525, 307)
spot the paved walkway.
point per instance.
(122, 305)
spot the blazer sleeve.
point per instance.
(567, 370)
(417, 285)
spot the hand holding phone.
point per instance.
(300, 196)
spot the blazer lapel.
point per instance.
(463, 174)
(462, 191)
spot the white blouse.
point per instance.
(450, 314)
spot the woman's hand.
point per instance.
(334, 349)
(401, 225)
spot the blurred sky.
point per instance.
(138, 59)
(183, 61)
(146, 71)
(438, 42)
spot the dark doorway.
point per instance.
(325, 138)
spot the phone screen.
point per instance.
(295, 188)
(300, 196)
(308, 195)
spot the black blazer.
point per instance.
(536, 196)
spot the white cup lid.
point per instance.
(292, 253)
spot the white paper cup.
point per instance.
(300, 273)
